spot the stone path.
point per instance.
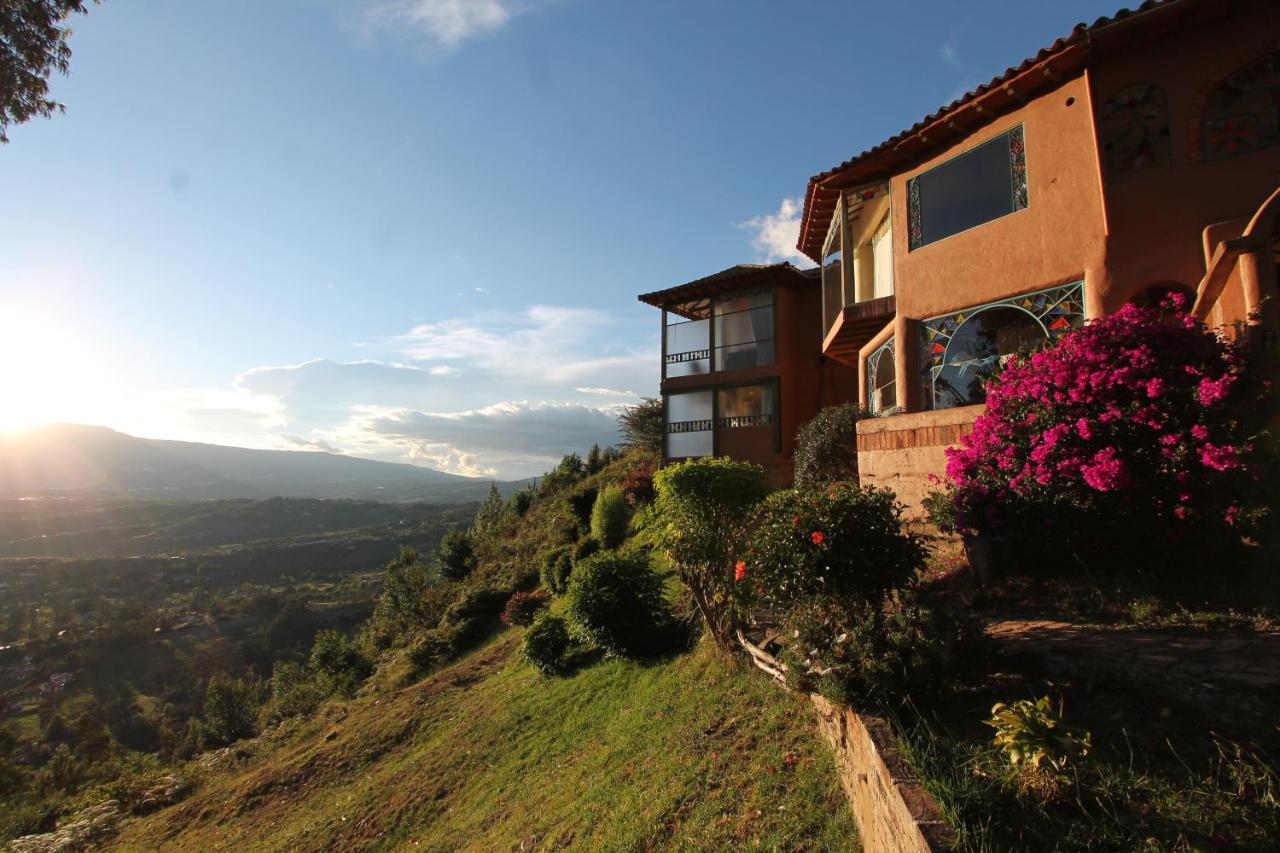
(1232, 661)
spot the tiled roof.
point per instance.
(1060, 60)
(736, 276)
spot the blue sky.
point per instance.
(414, 230)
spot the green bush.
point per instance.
(545, 643)
(827, 447)
(294, 693)
(615, 602)
(642, 425)
(230, 710)
(872, 654)
(701, 517)
(433, 648)
(521, 501)
(522, 607)
(609, 517)
(472, 615)
(834, 543)
(455, 558)
(557, 565)
(584, 548)
(581, 506)
(335, 657)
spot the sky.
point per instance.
(414, 230)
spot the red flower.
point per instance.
(817, 537)
(795, 521)
(739, 570)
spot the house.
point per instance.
(1137, 156)
(742, 366)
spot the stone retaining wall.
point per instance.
(904, 451)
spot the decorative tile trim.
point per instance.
(915, 225)
(1018, 166)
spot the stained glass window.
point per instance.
(1242, 114)
(984, 183)
(882, 397)
(1134, 128)
(959, 352)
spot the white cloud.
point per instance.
(605, 392)
(776, 234)
(444, 23)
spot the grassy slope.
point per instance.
(487, 754)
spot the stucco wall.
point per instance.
(903, 452)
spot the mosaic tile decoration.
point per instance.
(1242, 114)
(1058, 310)
(1018, 166)
(915, 225)
(1134, 128)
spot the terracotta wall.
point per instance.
(1156, 218)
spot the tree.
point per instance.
(641, 425)
(491, 513)
(609, 517)
(230, 710)
(455, 557)
(594, 462)
(827, 447)
(33, 45)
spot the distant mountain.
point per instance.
(76, 459)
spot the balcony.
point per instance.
(853, 326)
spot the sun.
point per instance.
(42, 368)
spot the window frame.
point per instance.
(873, 363)
(715, 388)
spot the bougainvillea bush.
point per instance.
(1132, 439)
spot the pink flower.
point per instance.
(1155, 387)
(1233, 513)
(1219, 457)
(1106, 472)
(1180, 512)
(1212, 391)
(1083, 429)
(1199, 432)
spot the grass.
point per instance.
(687, 752)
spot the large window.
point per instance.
(747, 406)
(833, 270)
(687, 339)
(882, 386)
(961, 351)
(690, 424)
(744, 330)
(981, 184)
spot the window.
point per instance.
(882, 260)
(1134, 128)
(1242, 113)
(747, 406)
(743, 331)
(982, 184)
(687, 339)
(833, 270)
(882, 397)
(961, 351)
(689, 424)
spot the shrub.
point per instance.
(827, 447)
(641, 425)
(637, 487)
(455, 557)
(522, 607)
(334, 657)
(616, 603)
(557, 564)
(521, 501)
(703, 510)
(471, 616)
(545, 643)
(1125, 444)
(294, 692)
(879, 653)
(581, 506)
(585, 548)
(1036, 742)
(433, 648)
(609, 517)
(230, 710)
(840, 542)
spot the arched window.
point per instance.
(1134, 130)
(961, 351)
(1242, 113)
(882, 395)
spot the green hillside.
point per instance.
(487, 754)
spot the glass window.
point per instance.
(982, 184)
(961, 351)
(744, 331)
(1134, 130)
(882, 380)
(833, 271)
(689, 424)
(1242, 113)
(747, 406)
(688, 339)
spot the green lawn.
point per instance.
(487, 754)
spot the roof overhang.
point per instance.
(731, 280)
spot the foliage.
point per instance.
(641, 425)
(455, 557)
(609, 517)
(522, 607)
(616, 602)
(702, 512)
(1032, 735)
(557, 564)
(834, 544)
(33, 45)
(491, 516)
(471, 615)
(545, 643)
(637, 486)
(584, 548)
(1130, 442)
(294, 693)
(880, 653)
(569, 471)
(404, 601)
(230, 710)
(827, 447)
(581, 505)
(521, 501)
(335, 657)
(594, 463)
